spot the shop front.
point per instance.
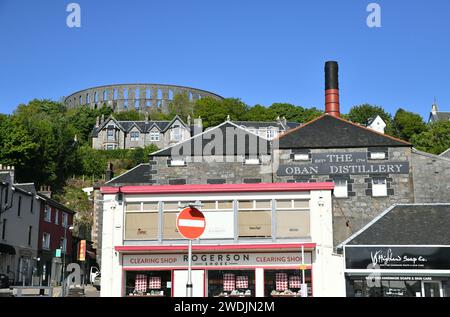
(405, 252)
(397, 271)
(220, 272)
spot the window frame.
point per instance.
(110, 137)
(45, 245)
(341, 187)
(47, 211)
(135, 136)
(376, 187)
(154, 136)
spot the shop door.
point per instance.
(432, 289)
(180, 280)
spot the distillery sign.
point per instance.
(343, 163)
(215, 259)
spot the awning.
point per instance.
(8, 249)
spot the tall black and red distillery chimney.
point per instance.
(332, 89)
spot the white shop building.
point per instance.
(261, 240)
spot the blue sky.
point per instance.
(260, 51)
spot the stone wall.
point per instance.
(431, 177)
(209, 172)
(352, 213)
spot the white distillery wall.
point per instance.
(328, 267)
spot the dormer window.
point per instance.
(154, 135)
(176, 134)
(134, 136)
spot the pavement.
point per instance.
(81, 291)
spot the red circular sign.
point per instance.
(191, 223)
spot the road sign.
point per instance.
(58, 253)
(191, 223)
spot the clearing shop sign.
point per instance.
(216, 259)
(392, 258)
(353, 163)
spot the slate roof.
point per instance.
(264, 124)
(5, 177)
(446, 153)
(440, 116)
(407, 224)
(29, 188)
(236, 132)
(330, 132)
(137, 175)
(55, 203)
(143, 126)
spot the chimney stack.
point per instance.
(46, 191)
(8, 169)
(332, 89)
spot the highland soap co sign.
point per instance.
(431, 258)
(343, 163)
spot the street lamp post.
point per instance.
(63, 284)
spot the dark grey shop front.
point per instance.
(405, 252)
(397, 271)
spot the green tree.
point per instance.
(129, 115)
(259, 113)
(181, 106)
(83, 120)
(16, 147)
(295, 113)
(214, 112)
(93, 163)
(435, 139)
(362, 114)
(406, 124)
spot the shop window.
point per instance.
(171, 210)
(286, 283)
(141, 221)
(220, 219)
(293, 218)
(340, 188)
(379, 187)
(149, 283)
(254, 221)
(231, 283)
(363, 287)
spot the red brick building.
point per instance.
(55, 221)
